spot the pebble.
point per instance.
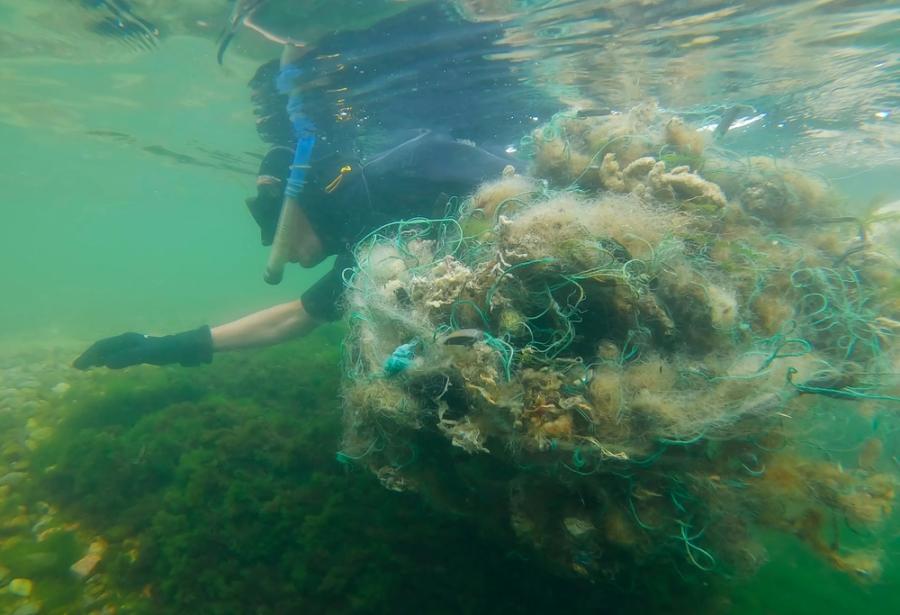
(41, 434)
(98, 547)
(12, 478)
(21, 587)
(10, 450)
(61, 388)
(85, 566)
(41, 537)
(579, 528)
(43, 524)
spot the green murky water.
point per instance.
(216, 489)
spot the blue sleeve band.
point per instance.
(300, 165)
(304, 130)
(294, 109)
(286, 77)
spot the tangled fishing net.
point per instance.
(624, 354)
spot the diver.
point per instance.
(365, 129)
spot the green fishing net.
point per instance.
(628, 354)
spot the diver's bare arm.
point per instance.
(264, 328)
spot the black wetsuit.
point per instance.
(397, 108)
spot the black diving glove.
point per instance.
(188, 348)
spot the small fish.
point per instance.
(463, 337)
(729, 116)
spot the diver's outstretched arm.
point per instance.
(264, 328)
(194, 347)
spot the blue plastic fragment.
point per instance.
(584, 558)
(400, 359)
(578, 459)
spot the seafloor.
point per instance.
(216, 490)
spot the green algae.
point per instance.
(219, 492)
